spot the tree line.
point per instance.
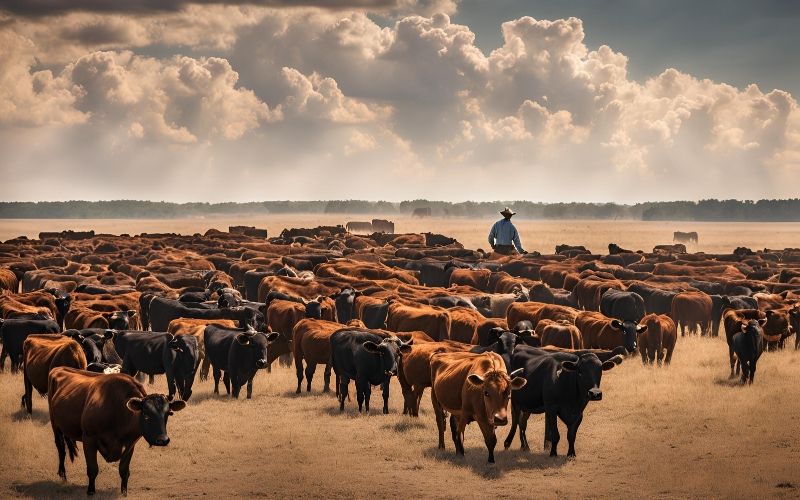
(704, 210)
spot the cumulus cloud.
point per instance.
(411, 109)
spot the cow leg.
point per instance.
(125, 469)
(206, 364)
(170, 384)
(572, 433)
(385, 393)
(745, 371)
(62, 452)
(514, 422)
(90, 454)
(523, 430)
(489, 438)
(3, 355)
(668, 357)
(151, 379)
(326, 375)
(457, 441)
(217, 375)
(732, 360)
(27, 398)
(298, 368)
(752, 371)
(439, 412)
(311, 368)
(344, 382)
(550, 422)
(226, 379)
(250, 387)
(418, 392)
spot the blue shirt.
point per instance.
(504, 233)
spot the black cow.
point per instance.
(449, 301)
(91, 349)
(374, 316)
(162, 311)
(188, 297)
(181, 356)
(622, 305)
(503, 342)
(721, 302)
(369, 360)
(748, 344)
(560, 385)
(14, 331)
(228, 297)
(239, 353)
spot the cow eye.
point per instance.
(170, 413)
(486, 393)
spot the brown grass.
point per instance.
(536, 235)
(684, 431)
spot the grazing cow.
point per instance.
(368, 359)
(600, 332)
(14, 331)
(734, 322)
(311, 341)
(622, 305)
(108, 413)
(471, 387)
(658, 334)
(240, 354)
(560, 334)
(414, 372)
(692, 310)
(560, 385)
(42, 353)
(681, 237)
(432, 320)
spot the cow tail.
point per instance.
(71, 446)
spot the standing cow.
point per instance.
(240, 354)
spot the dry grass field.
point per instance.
(680, 432)
(685, 431)
(538, 235)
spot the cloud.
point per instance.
(320, 100)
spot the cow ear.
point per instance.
(405, 348)
(611, 363)
(134, 404)
(177, 405)
(616, 324)
(109, 334)
(763, 322)
(769, 313)
(569, 366)
(131, 314)
(475, 379)
(273, 336)
(243, 339)
(371, 347)
(518, 383)
(641, 328)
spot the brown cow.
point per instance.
(311, 342)
(414, 373)
(476, 278)
(108, 413)
(601, 332)
(196, 328)
(464, 323)
(283, 315)
(692, 310)
(560, 333)
(42, 353)
(435, 321)
(535, 312)
(658, 335)
(471, 387)
(8, 280)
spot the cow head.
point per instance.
(228, 297)
(496, 387)
(794, 318)
(314, 308)
(105, 368)
(63, 301)
(154, 411)
(259, 343)
(388, 351)
(588, 371)
(345, 300)
(630, 331)
(185, 359)
(89, 346)
(119, 320)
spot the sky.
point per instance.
(554, 101)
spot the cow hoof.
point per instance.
(506, 445)
(90, 492)
(297, 391)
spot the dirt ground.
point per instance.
(685, 431)
(714, 237)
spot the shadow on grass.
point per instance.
(404, 425)
(506, 461)
(60, 489)
(306, 394)
(729, 382)
(40, 415)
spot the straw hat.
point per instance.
(507, 212)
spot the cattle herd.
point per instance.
(87, 317)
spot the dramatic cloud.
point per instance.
(232, 101)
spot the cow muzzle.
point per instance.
(390, 373)
(161, 441)
(261, 364)
(500, 421)
(595, 395)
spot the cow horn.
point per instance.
(517, 373)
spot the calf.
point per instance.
(748, 344)
(658, 334)
(560, 385)
(240, 354)
(108, 413)
(471, 387)
(368, 359)
(42, 353)
(14, 331)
